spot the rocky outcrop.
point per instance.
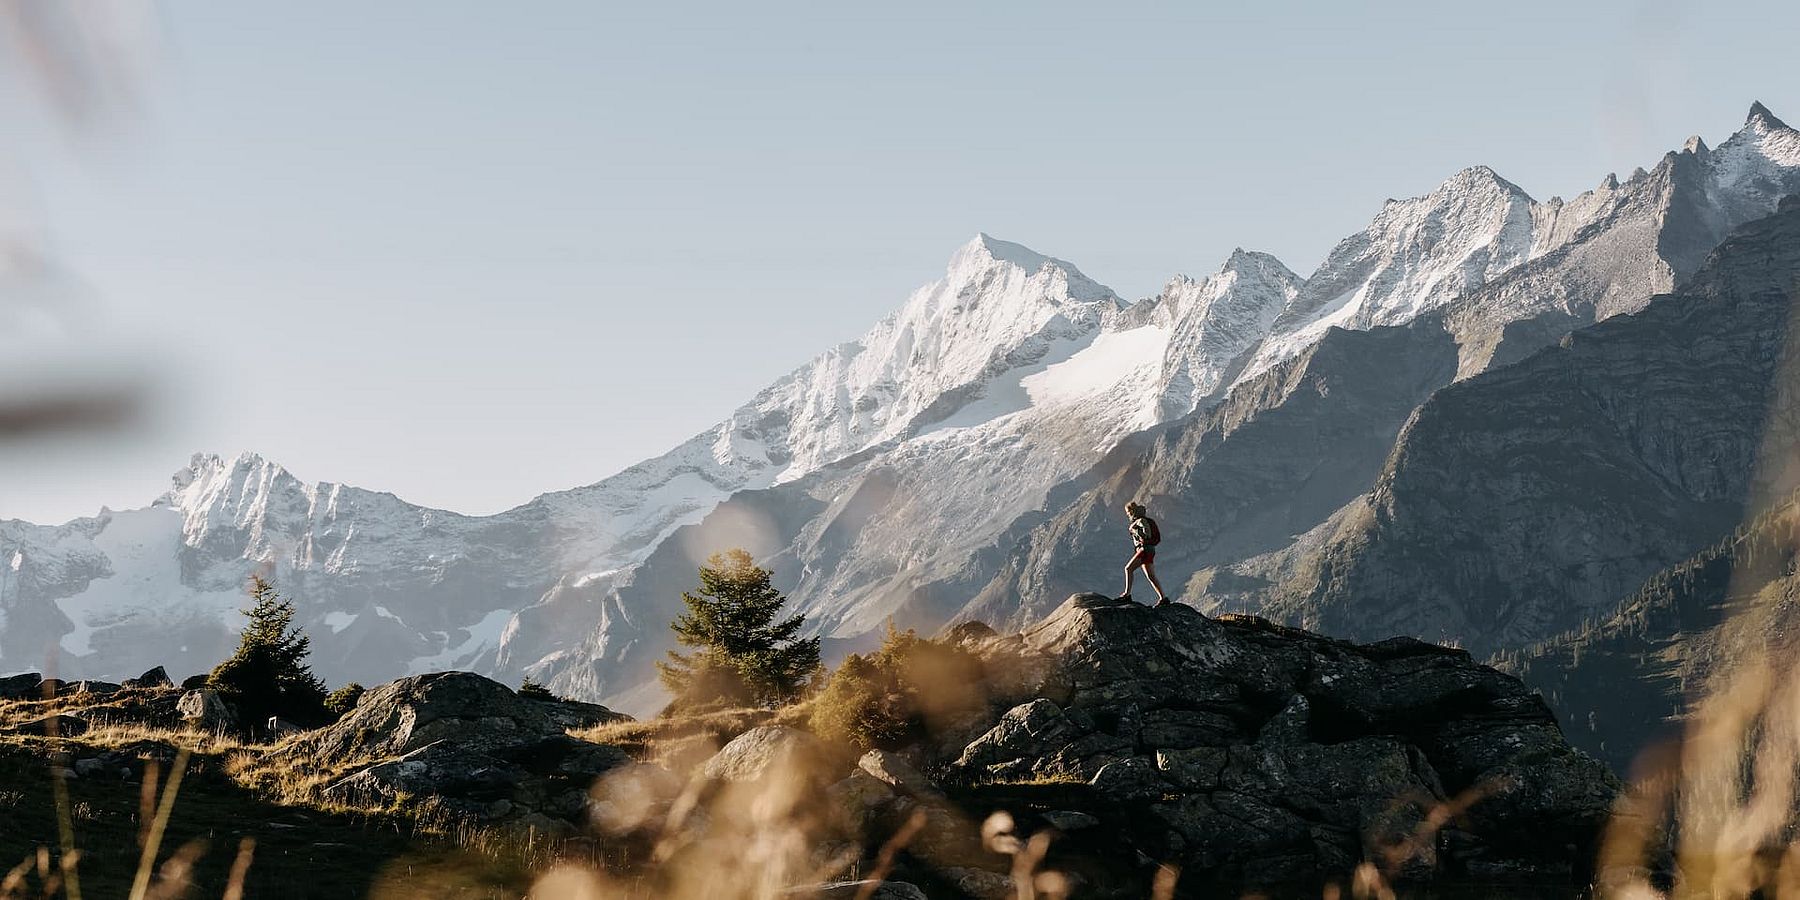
(23, 686)
(1251, 752)
(154, 678)
(207, 710)
(463, 742)
(571, 714)
(396, 718)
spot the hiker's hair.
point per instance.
(1134, 508)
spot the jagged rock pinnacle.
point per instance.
(1760, 113)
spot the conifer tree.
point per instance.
(742, 653)
(268, 675)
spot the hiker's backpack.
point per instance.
(1152, 534)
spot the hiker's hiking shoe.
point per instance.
(1164, 601)
(1124, 597)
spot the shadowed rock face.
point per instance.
(1519, 501)
(1260, 752)
(402, 716)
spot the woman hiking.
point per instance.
(1144, 538)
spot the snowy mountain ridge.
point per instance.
(881, 477)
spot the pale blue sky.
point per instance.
(469, 252)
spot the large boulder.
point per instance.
(895, 772)
(53, 725)
(207, 710)
(464, 742)
(1249, 752)
(469, 780)
(478, 714)
(766, 751)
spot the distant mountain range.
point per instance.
(1403, 441)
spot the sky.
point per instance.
(471, 252)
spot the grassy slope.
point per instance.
(300, 851)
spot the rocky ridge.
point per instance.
(1265, 753)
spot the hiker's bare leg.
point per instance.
(1150, 573)
(1130, 567)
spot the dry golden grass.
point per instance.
(17, 712)
(678, 742)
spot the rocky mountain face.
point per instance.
(1518, 502)
(967, 451)
(1281, 454)
(1244, 506)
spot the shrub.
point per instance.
(901, 692)
(532, 690)
(343, 700)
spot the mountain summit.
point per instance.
(1761, 119)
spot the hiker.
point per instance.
(1144, 538)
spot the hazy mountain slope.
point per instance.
(1521, 500)
(1625, 678)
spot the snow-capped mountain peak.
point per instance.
(985, 251)
(1756, 161)
(1417, 255)
(1216, 320)
(999, 306)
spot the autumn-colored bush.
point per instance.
(900, 693)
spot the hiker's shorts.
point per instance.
(1143, 557)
